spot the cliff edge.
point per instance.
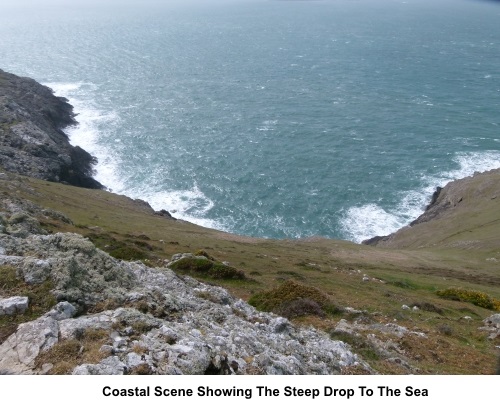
(462, 214)
(32, 142)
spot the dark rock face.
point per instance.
(375, 240)
(433, 209)
(32, 142)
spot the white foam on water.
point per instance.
(369, 220)
(92, 121)
(189, 205)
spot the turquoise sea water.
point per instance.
(280, 119)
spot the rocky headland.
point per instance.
(110, 286)
(32, 141)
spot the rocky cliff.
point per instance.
(32, 142)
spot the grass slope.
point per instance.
(436, 256)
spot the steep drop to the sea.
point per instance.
(460, 214)
(32, 142)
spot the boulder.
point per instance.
(13, 305)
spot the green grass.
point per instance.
(429, 258)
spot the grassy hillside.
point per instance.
(459, 249)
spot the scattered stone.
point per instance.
(405, 307)
(109, 366)
(107, 349)
(492, 326)
(63, 310)
(46, 367)
(14, 305)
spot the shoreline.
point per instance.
(88, 163)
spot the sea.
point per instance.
(268, 118)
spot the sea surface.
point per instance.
(275, 119)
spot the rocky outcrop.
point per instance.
(32, 141)
(148, 320)
(492, 326)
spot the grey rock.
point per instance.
(180, 333)
(134, 360)
(32, 142)
(20, 350)
(63, 310)
(13, 305)
(493, 320)
(492, 326)
(109, 366)
(35, 271)
(46, 368)
(71, 328)
(106, 349)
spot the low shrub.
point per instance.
(141, 369)
(406, 284)
(128, 253)
(292, 299)
(131, 250)
(445, 329)
(208, 268)
(300, 307)
(477, 298)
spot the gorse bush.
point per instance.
(292, 299)
(477, 298)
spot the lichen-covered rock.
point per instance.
(152, 321)
(13, 305)
(63, 310)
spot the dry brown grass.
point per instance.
(40, 300)
(67, 354)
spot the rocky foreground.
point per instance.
(32, 142)
(117, 317)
